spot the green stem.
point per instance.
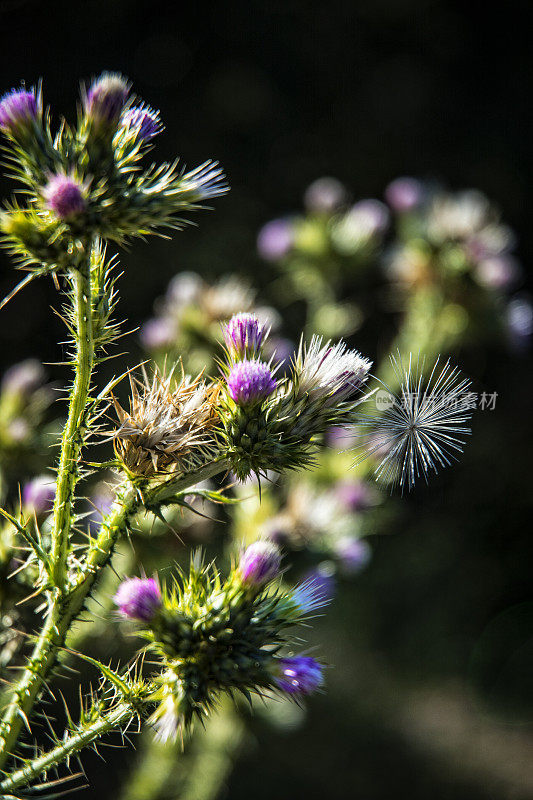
(65, 608)
(121, 715)
(75, 428)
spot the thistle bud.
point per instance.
(106, 99)
(38, 495)
(144, 120)
(243, 335)
(260, 563)
(250, 381)
(298, 675)
(18, 109)
(64, 196)
(138, 598)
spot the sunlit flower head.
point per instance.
(17, 108)
(244, 335)
(64, 196)
(420, 428)
(330, 371)
(138, 598)
(260, 563)
(299, 675)
(144, 120)
(250, 381)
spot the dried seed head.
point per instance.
(167, 429)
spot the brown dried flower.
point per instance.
(167, 430)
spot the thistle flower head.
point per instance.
(144, 120)
(423, 425)
(353, 553)
(18, 108)
(244, 335)
(404, 194)
(260, 563)
(138, 598)
(23, 378)
(330, 371)
(325, 195)
(250, 381)
(166, 429)
(64, 196)
(312, 594)
(106, 99)
(38, 494)
(299, 675)
(275, 239)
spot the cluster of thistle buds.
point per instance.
(86, 180)
(275, 424)
(213, 636)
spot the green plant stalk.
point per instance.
(121, 715)
(64, 609)
(74, 431)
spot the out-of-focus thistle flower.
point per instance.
(64, 196)
(330, 372)
(23, 378)
(361, 227)
(138, 598)
(18, 109)
(166, 429)
(260, 563)
(158, 333)
(353, 495)
(353, 553)
(250, 382)
(404, 194)
(422, 428)
(275, 239)
(38, 495)
(144, 120)
(325, 195)
(244, 335)
(299, 675)
(519, 319)
(498, 273)
(106, 99)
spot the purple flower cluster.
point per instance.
(138, 598)
(64, 196)
(243, 335)
(275, 239)
(106, 98)
(260, 563)
(299, 675)
(250, 381)
(17, 108)
(144, 120)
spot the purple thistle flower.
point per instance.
(325, 195)
(260, 563)
(38, 495)
(17, 108)
(313, 593)
(353, 495)
(323, 578)
(404, 194)
(138, 598)
(145, 120)
(298, 675)
(23, 378)
(157, 333)
(275, 239)
(64, 196)
(243, 335)
(106, 98)
(353, 553)
(250, 382)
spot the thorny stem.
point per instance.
(121, 715)
(75, 428)
(64, 609)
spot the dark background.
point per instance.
(282, 93)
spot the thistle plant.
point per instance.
(211, 635)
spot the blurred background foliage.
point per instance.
(432, 649)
